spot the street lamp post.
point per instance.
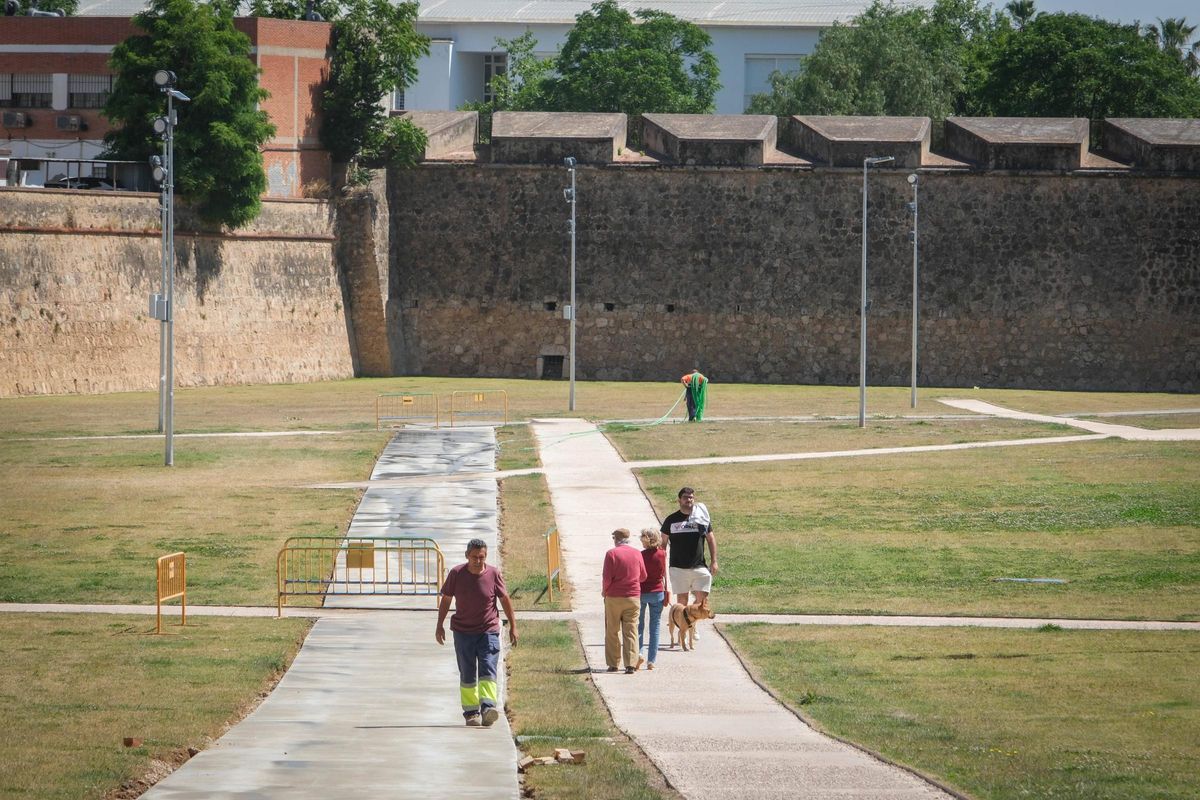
(870, 161)
(912, 236)
(163, 304)
(569, 162)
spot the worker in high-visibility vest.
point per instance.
(696, 393)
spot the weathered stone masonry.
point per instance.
(264, 305)
(1050, 280)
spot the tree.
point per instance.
(893, 60)
(612, 62)
(522, 87)
(375, 49)
(68, 7)
(1172, 36)
(1071, 65)
(218, 141)
(1021, 11)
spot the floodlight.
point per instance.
(569, 161)
(912, 178)
(178, 95)
(159, 172)
(160, 125)
(164, 79)
(873, 160)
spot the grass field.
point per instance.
(1001, 714)
(928, 534)
(525, 518)
(554, 704)
(85, 520)
(350, 405)
(737, 438)
(72, 686)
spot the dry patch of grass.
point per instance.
(85, 520)
(928, 534)
(553, 704)
(516, 448)
(72, 686)
(525, 518)
(738, 438)
(1000, 714)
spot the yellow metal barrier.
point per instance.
(553, 562)
(171, 583)
(488, 406)
(333, 565)
(403, 408)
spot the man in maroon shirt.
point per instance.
(474, 587)
(623, 574)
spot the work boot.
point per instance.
(473, 720)
(490, 715)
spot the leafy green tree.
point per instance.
(1173, 35)
(893, 60)
(375, 49)
(614, 62)
(68, 7)
(1021, 11)
(1071, 65)
(294, 9)
(522, 87)
(218, 141)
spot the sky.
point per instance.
(1147, 11)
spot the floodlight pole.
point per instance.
(914, 180)
(862, 311)
(162, 325)
(162, 306)
(169, 266)
(570, 164)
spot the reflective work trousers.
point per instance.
(477, 654)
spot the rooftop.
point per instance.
(803, 14)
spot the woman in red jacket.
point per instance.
(653, 592)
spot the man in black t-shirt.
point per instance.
(686, 531)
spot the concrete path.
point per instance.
(1103, 428)
(170, 616)
(369, 708)
(710, 729)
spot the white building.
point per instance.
(751, 39)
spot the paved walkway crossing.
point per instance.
(710, 729)
(369, 708)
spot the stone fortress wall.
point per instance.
(263, 305)
(735, 248)
(1073, 271)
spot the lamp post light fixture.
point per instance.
(870, 161)
(162, 305)
(569, 194)
(912, 237)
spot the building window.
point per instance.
(26, 91)
(494, 65)
(88, 91)
(398, 99)
(758, 74)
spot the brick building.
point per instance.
(54, 79)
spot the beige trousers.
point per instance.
(620, 630)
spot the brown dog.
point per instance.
(684, 618)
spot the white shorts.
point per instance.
(690, 580)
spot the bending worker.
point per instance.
(695, 388)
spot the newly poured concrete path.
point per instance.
(369, 708)
(710, 729)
